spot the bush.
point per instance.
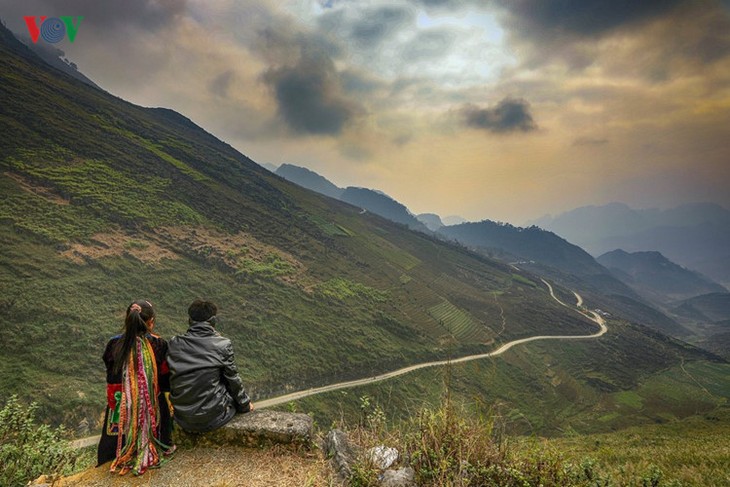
(28, 450)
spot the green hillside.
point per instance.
(105, 202)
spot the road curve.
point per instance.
(274, 401)
(389, 375)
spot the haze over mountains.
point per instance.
(696, 236)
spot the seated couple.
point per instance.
(198, 371)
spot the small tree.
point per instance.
(28, 450)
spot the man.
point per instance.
(205, 387)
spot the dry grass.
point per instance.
(118, 243)
(37, 189)
(220, 467)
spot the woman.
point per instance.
(137, 424)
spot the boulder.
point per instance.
(256, 429)
(341, 452)
(403, 477)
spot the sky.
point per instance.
(499, 109)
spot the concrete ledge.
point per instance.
(255, 429)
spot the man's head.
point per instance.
(201, 310)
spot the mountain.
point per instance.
(104, 202)
(696, 236)
(453, 220)
(545, 253)
(309, 179)
(431, 220)
(383, 205)
(368, 199)
(530, 243)
(657, 278)
(707, 308)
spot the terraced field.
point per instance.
(457, 322)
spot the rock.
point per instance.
(341, 451)
(255, 429)
(383, 457)
(403, 477)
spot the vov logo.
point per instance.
(52, 29)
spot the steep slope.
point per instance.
(105, 202)
(382, 205)
(657, 278)
(367, 199)
(309, 179)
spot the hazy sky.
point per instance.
(500, 109)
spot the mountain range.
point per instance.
(368, 199)
(533, 248)
(696, 236)
(656, 277)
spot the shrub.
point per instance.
(28, 450)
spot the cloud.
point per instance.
(220, 85)
(509, 115)
(582, 18)
(378, 24)
(309, 96)
(369, 27)
(430, 44)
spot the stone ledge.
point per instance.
(255, 429)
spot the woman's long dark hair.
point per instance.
(135, 325)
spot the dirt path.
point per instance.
(274, 401)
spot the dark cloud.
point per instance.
(367, 27)
(309, 96)
(220, 85)
(582, 18)
(509, 115)
(378, 24)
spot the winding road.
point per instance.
(274, 401)
(595, 317)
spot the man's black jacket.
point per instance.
(205, 387)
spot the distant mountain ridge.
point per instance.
(369, 199)
(656, 277)
(711, 307)
(696, 236)
(309, 179)
(431, 220)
